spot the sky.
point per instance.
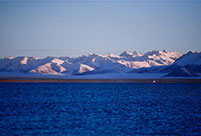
(73, 28)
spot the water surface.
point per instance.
(99, 109)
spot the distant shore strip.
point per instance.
(52, 80)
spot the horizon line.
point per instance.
(101, 1)
(92, 53)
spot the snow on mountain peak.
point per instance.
(90, 62)
(160, 58)
(84, 68)
(154, 52)
(11, 57)
(45, 69)
(24, 60)
(57, 61)
(90, 54)
(136, 54)
(125, 54)
(112, 56)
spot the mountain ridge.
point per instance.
(127, 62)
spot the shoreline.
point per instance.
(134, 80)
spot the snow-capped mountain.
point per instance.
(187, 65)
(126, 62)
(190, 58)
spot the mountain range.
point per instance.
(170, 64)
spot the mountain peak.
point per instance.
(191, 57)
(113, 55)
(125, 54)
(11, 57)
(156, 52)
(90, 54)
(135, 52)
(191, 52)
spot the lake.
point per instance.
(99, 109)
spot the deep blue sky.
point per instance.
(60, 28)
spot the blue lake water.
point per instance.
(99, 109)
